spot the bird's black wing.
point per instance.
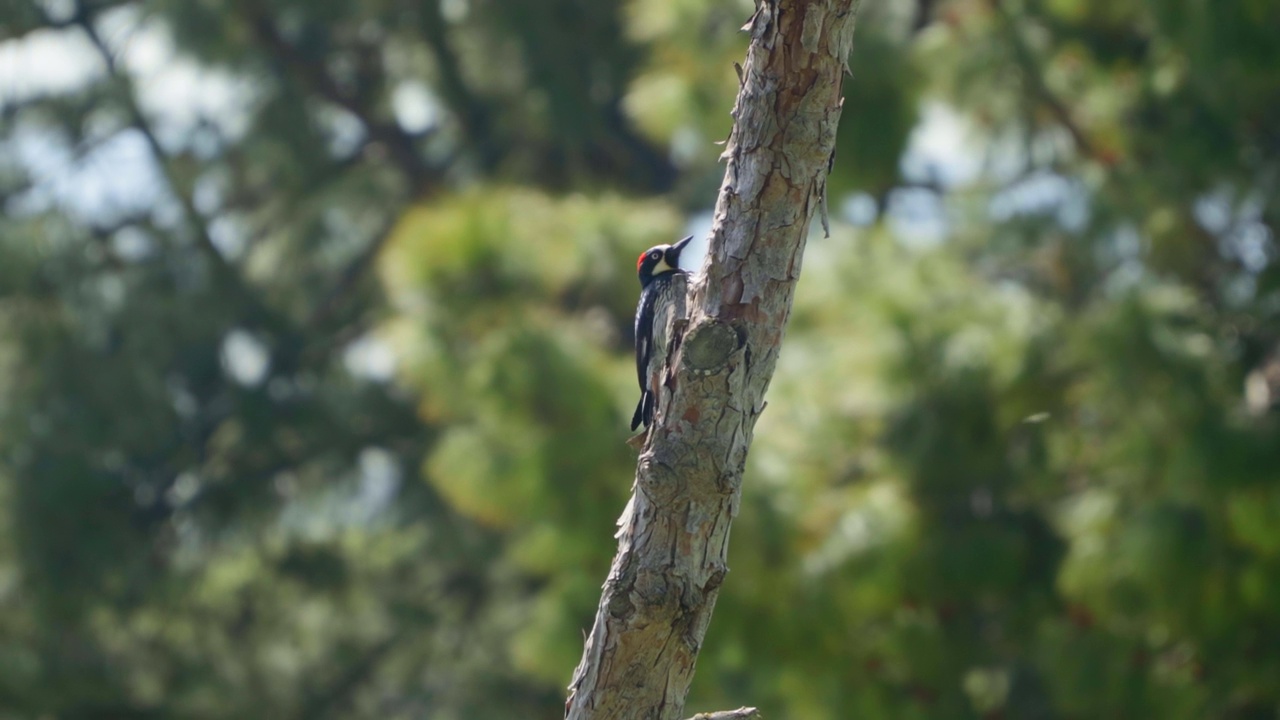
(644, 335)
(644, 349)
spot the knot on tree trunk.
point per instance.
(708, 346)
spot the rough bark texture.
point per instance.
(674, 535)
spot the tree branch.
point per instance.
(474, 114)
(333, 698)
(422, 177)
(673, 537)
(349, 276)
(401, 146)
(223, 270)
(1034, 76)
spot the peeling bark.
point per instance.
(673, 537)
(742, 713)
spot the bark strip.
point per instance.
(673, 537)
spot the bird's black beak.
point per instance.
(673, 254)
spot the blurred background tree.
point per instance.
(314, 327)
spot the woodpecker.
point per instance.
(656, 268)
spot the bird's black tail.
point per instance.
(644, 410)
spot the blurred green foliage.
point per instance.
(314, 338)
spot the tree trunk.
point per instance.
(674, 535)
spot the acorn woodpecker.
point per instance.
(656, 267)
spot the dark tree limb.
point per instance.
(401, 145)
(223, 270)
(474, 114)
(673, 537)
(1034, 77)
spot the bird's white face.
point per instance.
(655, 259)
(660, 260)
(661, 257)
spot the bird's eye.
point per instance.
(655, 254)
